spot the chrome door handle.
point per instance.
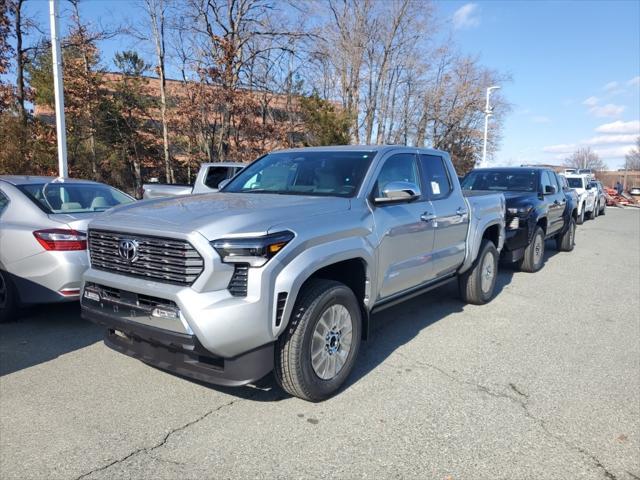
(460, 211)
(427, 217)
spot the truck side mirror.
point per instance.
(549, 189)
(398, 192)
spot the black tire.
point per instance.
(580, 219)
(596, 211)
(8, 301)
(604, 209)
(566, 241)
(534, 253)
(294, 370)
(471, 282)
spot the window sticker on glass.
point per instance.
(435, 188)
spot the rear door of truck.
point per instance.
(451, 221)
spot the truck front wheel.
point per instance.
(478, 284)
(534, 253)
(580, 220)
(318, 349)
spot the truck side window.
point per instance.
(435, 176)
(215, 175)
(558, 181)
(398, 168)
(546, 181)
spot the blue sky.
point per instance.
(575, 68)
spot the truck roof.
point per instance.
(356, 148)
(222, 164)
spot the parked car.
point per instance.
(208, 180)
(43, 241)
(601, 200)
(635, 191)
(282, 269)
(586, 195)
(538, 208)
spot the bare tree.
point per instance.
(632, 159)
(585, 158)
(157, 12)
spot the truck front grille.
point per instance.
(165, 260)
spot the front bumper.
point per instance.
(180, 353)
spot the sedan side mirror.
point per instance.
(549, 189)
(397, 192)
(223, 183)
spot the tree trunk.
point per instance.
(158, 33)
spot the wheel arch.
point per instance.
(350, 266)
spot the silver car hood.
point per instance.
(215, 215)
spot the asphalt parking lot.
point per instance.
(542, 383)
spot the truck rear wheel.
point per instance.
(318, 349)
(566, 241)
(534, 253)
(477, 285)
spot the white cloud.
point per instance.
(591, 101)
(611, 86)
(635, 81)
(561, 148)
(608, 110)
(611, 139)
(540, 119)
(620, 127)
(466, 16)
(613, 152)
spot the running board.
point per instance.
(404, 296)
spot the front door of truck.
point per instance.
(452, 216)
(555, 199)
(405, 231)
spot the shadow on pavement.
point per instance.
(43, 333)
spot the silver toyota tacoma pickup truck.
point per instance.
(284, 267)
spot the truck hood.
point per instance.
(516, 199)
(215, 215)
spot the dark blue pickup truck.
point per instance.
(539, 207)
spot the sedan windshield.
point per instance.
(501, 180)
(329, 173)
(74, 197)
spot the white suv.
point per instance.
(586, 195)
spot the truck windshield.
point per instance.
(501, 180)
(329, 173)
(575, 182)
(74, 197)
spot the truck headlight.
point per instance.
(256, 251)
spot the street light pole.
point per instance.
(56, 54)
(487, 113)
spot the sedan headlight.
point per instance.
(256, 251)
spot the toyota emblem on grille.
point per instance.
(128, 249)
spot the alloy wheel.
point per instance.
(331, 342)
